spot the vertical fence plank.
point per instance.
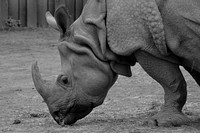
(13, 9)
(31, 13)
(3, 12)
(23, 12)
(59, 2)
(70, 5)
(84, 2)
(79, 7)
(1, 19)
(51, 6)
(42, 8)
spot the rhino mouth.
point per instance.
(71, 116)
(63, 120)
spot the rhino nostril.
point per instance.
(56, 114)
(62, 123)
(69, 120)
(57, 119)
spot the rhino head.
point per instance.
(88, 67)
(82, 85)
(86, 75)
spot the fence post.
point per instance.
(31, 13)
(23, 12)
(3, 12)
(42, 8)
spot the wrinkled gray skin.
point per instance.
(110, 37)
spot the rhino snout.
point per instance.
(71, 114)
(68, 120)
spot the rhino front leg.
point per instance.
(171, 79)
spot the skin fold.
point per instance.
(111, 36)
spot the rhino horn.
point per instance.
(42, 86)
(51, 20)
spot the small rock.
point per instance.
(39, 115)
(34, 115)
(17, 121)
(18, 90)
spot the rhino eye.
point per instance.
(64, 80)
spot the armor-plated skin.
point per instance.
(107, 39)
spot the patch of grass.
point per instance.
(28, 115)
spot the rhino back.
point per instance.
(133, 25)
(125, 29)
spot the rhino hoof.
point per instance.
(169, 119)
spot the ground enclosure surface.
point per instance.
(129, 102)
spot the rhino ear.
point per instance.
(121, 69)
(62, 16)
(51, 20)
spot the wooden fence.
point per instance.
(31, 13)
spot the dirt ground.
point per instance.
(128, 103)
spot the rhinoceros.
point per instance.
(107, 39)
